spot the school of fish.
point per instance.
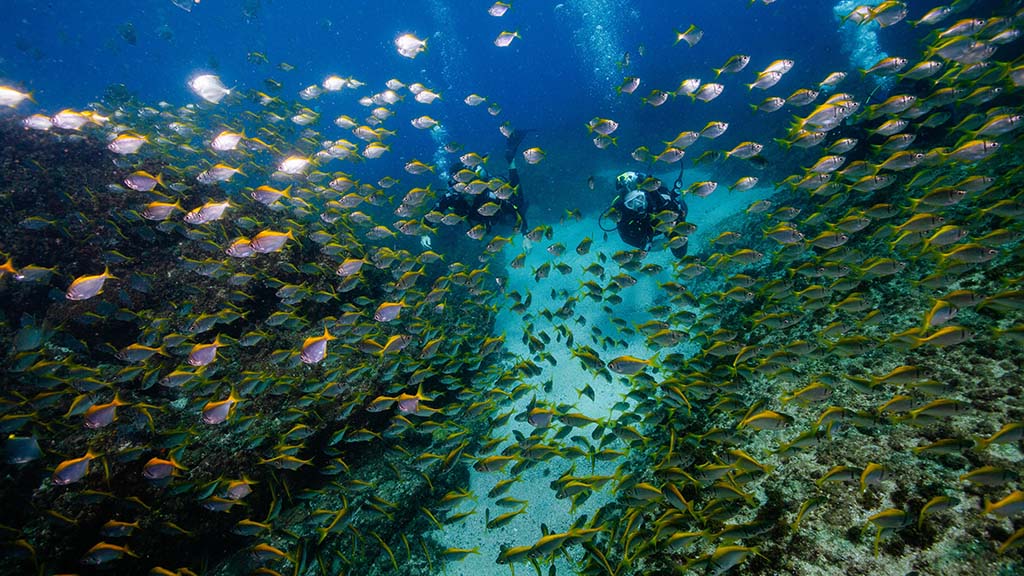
(244, 343)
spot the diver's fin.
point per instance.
(514, 140)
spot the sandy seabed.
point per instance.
(569, 375)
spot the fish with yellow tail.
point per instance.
(270, 241)
(630, 365)
(105, 552)
(85, 287)
(314, 349)
(691, 36)
(721, 560)
(1006, 507)
(11, 97)
(765, 420)
(216, 412)
(73, 470)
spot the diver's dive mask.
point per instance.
(636, 200)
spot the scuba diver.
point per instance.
(639, 201)
(511, 209)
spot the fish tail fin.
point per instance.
(721, 261)
(965, 139)
(718, 72)
(784, 143)
(174, 462)
(796, 125)
(160, 180)
(871, 382)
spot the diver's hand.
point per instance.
(527, 244)
(425, 242)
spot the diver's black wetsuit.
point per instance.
(637, 228)
(511, 212)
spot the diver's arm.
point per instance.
(649, 234)
(618, 203)
(445, 203)
(672, 200)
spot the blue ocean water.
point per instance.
(566, 72)
(342, 467)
